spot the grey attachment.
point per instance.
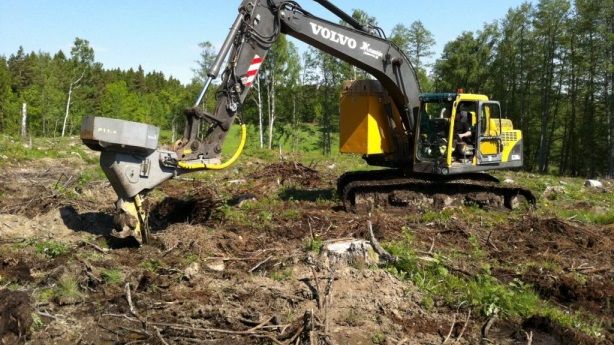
(129, 155)
(103, 134)
(131, 174)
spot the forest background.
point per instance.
(550, 64)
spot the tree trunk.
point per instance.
(295, 124)
(568, 145)
(67, 109)
(553, 121)
(272, 113)
(609, 96)
(24, 120)
(260, 124)
(173, 128)
(591, 148)
(610, 116)
(72, 86)
(545, 104)
(523, 99)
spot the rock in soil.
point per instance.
(593, 184)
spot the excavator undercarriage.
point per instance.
(363, 191)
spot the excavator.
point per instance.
(386, 119)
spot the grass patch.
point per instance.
(112, 276)
(259, 214)
(190, 259)
(482, 292)
(151, 265)
(51, 248)
(67, 289)
(588, 216)
(353, 318)
(37, 322)
(314, 245)
(442, 216)
(44, 295)
(16, 150)
(378, 338)
(282, 275)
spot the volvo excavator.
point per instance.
(386, 119)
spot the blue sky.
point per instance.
(163, 35)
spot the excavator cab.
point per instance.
(493, 142)
(433, 139)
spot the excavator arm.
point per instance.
(129, 154)
(257, 26)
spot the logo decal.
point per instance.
(371, 52)
(333, 36)
(349, 42)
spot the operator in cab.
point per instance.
(462, 128)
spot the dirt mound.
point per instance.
(562, 335)
(592, 292)
(288, 173)
(561, 241)
(579, 260)
(15, 270)
(15, 317)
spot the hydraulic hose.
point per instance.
(203, 166)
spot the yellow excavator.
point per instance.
(431, 144)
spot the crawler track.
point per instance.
(364, 190)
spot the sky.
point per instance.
(163, 35)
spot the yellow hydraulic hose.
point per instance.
(202, 166)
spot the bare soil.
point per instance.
(230, 263)
(15, 317)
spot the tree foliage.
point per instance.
(550, 64)
(42, 81)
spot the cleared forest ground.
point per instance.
(237, 259)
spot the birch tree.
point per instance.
(280, 70)
(82, 57)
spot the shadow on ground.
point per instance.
(95, 223)
(307, 194)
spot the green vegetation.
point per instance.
(112, 276)
(37, 322)
(573, 200)
(151, 265)
(378, 338)
(12, 150)
(442, 216)
(44, 295)
(315, 245)
(481, 292)
(190, 258)
(282, 274)
(67, 288)
(51, 248)
(353, 318)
